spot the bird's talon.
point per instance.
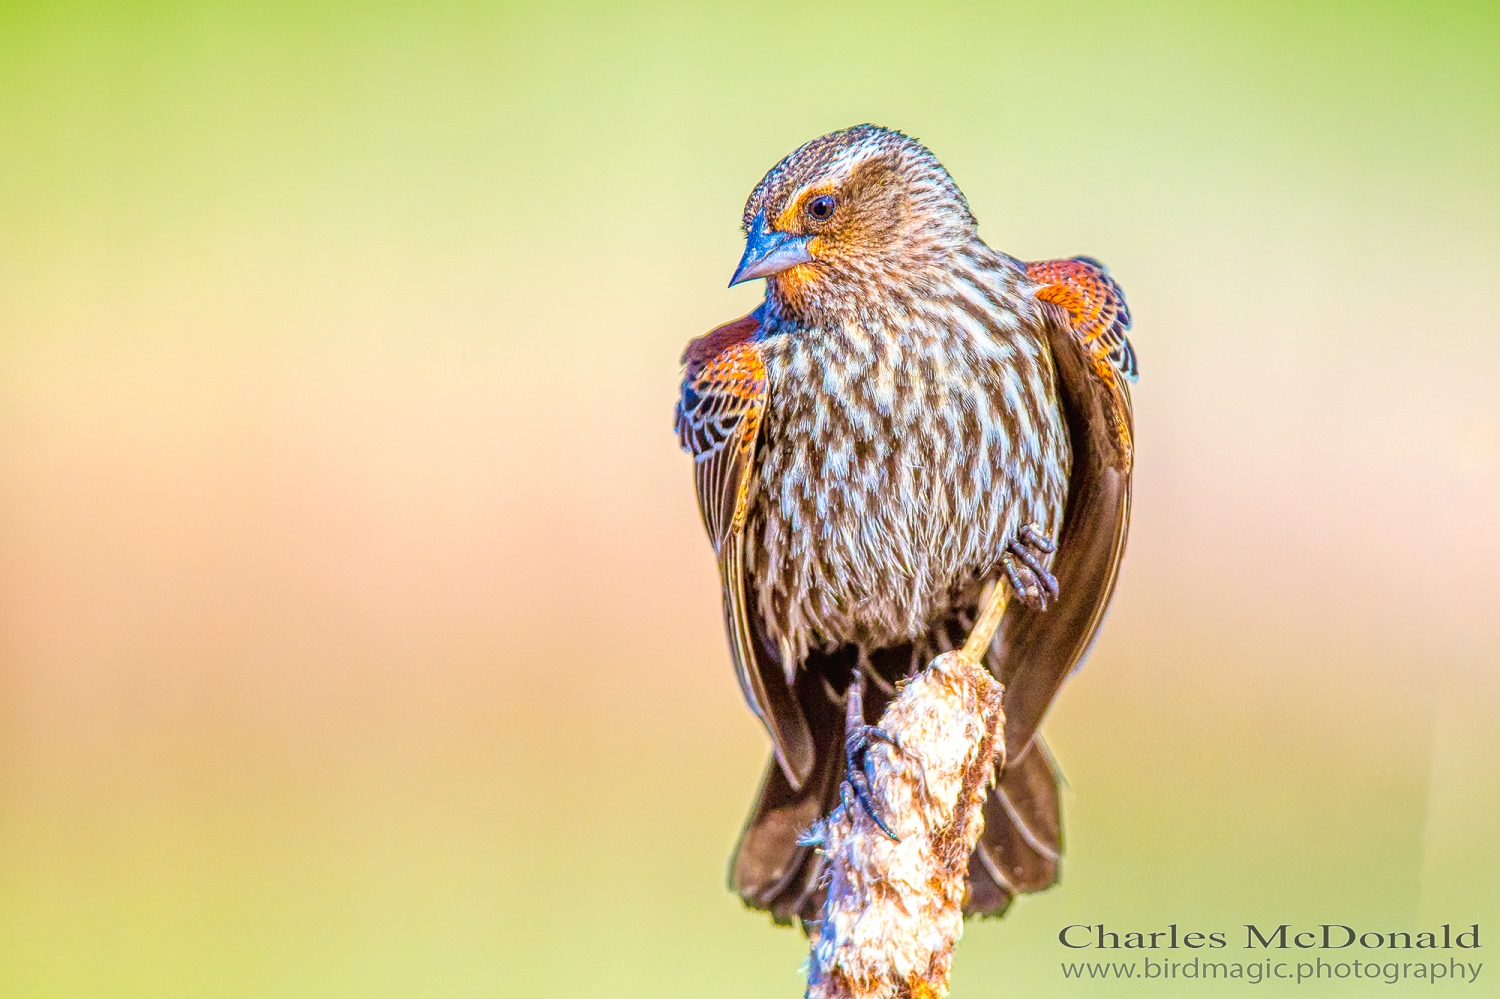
(1032, 535)
(1023, 565)
(859, 774)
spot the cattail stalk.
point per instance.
(895, 908)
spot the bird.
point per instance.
(907, 418)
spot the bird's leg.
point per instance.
(1022, 562)
(991, 609)
(859, 769)
(868, 672)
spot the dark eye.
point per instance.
(821, 207)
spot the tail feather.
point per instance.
(1018, 852)
(770, 870)
(1021, 846)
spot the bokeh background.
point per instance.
(357, 632)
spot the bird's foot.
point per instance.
(859, 769)
(1022, 562)
(859, 773)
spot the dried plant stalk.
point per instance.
(895, 908)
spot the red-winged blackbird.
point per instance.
(908, 415)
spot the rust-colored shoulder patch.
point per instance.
(722, 390)
(718, 420)
(700, 350)
(1098, 317)
(1095, 304)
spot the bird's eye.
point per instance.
(821, 207)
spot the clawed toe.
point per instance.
(1032, 535)
(859, 773)
(1022, 562)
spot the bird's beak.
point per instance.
(768, 252)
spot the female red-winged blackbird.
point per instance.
(908, 415)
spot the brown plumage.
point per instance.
(868, 445)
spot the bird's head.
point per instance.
(853, 209)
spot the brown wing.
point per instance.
(1038, 649)
(718, 423)
(1095, 305)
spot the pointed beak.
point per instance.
(768, 252)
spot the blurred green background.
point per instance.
(358, 636)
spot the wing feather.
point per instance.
(718, 423)
(1095, 305)
(1086, 319)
